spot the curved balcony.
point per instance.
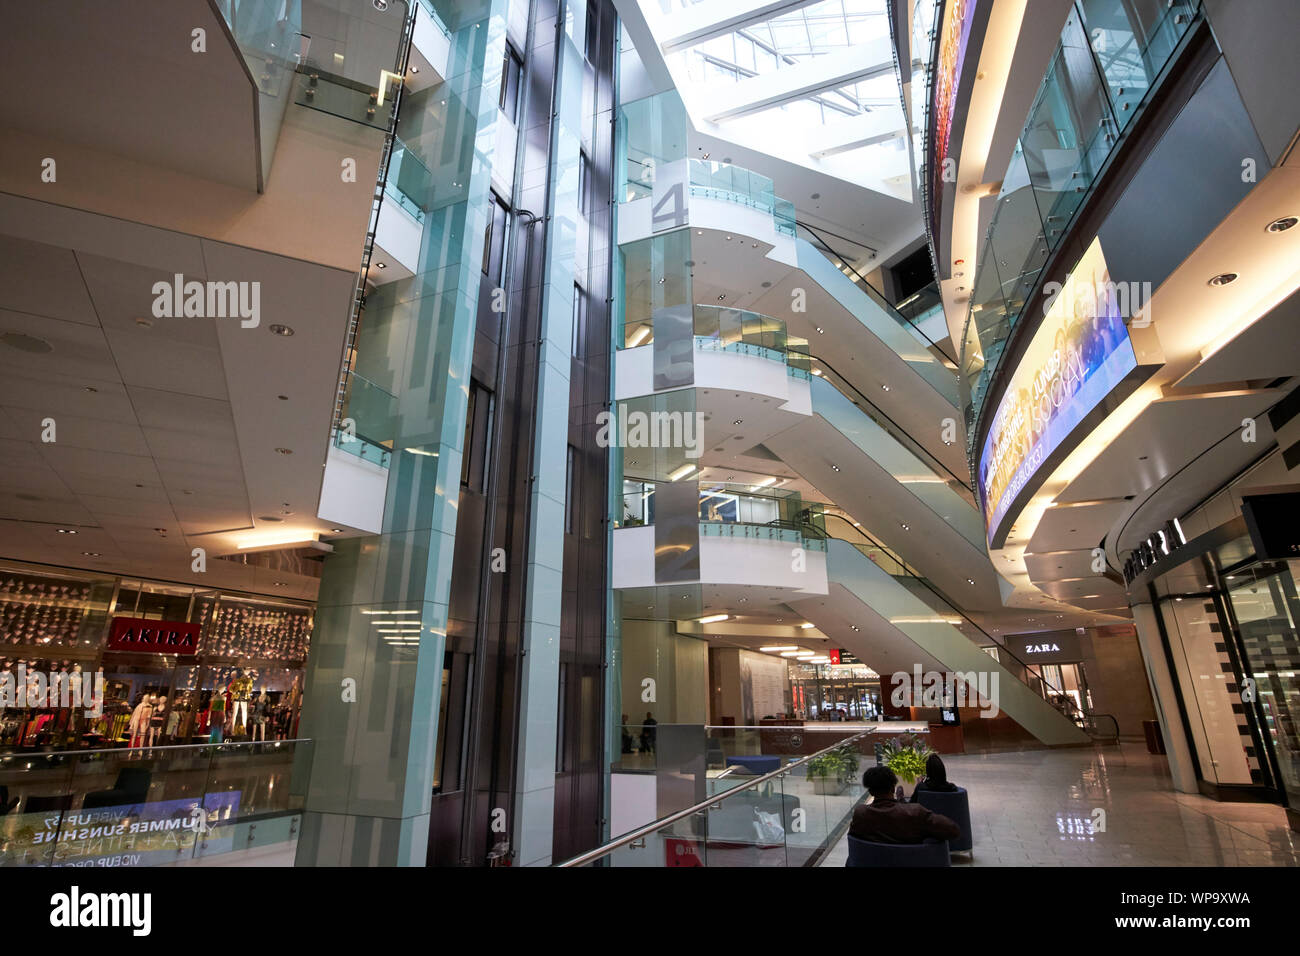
(1100, 78)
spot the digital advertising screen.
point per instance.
(1079, 355)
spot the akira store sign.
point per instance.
(153, 637)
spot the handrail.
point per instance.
(642, 832)
(875, 294)
(933, 590)
(925, 453)
(137, 751)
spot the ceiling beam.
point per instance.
(814, 75)
(854, 132)
(715, 18)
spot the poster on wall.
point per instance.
(1078, 356)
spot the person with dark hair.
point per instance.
(887, 820)
(936, 777)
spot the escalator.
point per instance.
(895, 631)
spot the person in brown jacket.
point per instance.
(886, 820)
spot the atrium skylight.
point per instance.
(814, 85)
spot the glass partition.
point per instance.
(1109, 56)
(1266, 607)
(150, 806)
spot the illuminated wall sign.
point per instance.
(1050, 647)
(153, 637)
(1068, 379)
(947, 73)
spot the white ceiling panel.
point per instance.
(76, 350)
(43, 280)
(69, 395)
(74, 431)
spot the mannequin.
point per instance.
(217, 715)
(174, 718)
(261, 712)
(139, 724)
(241, 692)
(290, 704)
(157, 721)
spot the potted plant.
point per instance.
(906, 756)
(831, 772)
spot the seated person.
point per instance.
(886, 820)
(936, 777)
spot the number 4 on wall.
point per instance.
(668, 209)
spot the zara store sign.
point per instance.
(1050, 647)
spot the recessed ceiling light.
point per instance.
(91, 554)
(1283, 224)
(336, 530)
(65, 531)
(1223, 278)
(91, 388)
(970, 580)
(738, 421)
(819, 330)
(381, 265)
(25, 343)
(280, 330)
(415, 69)
(835, 467)
(906, 528)
(285, 451)
(721, 297)
(885, 387)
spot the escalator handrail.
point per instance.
(931, 588)
(656, 825)
(872, 292)
(896, 427)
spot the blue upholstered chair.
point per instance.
(929, 853)
(956, 807)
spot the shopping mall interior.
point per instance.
(614, 433)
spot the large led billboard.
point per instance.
(1078, 356)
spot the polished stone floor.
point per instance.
(1037, 808)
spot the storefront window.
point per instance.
(834, 692)
(1204, 664)
(1264, 602)
(55, 632)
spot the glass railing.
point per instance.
(347, 99)
(269, 36)
(152, 805)
(409, 182)
(267, 33)
(435, 17)
(1109, 57)
(354, 70)
(781, 806)
(921, 304)
(750, 333)
(369, 421)
(712, 180)
(733, 509)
